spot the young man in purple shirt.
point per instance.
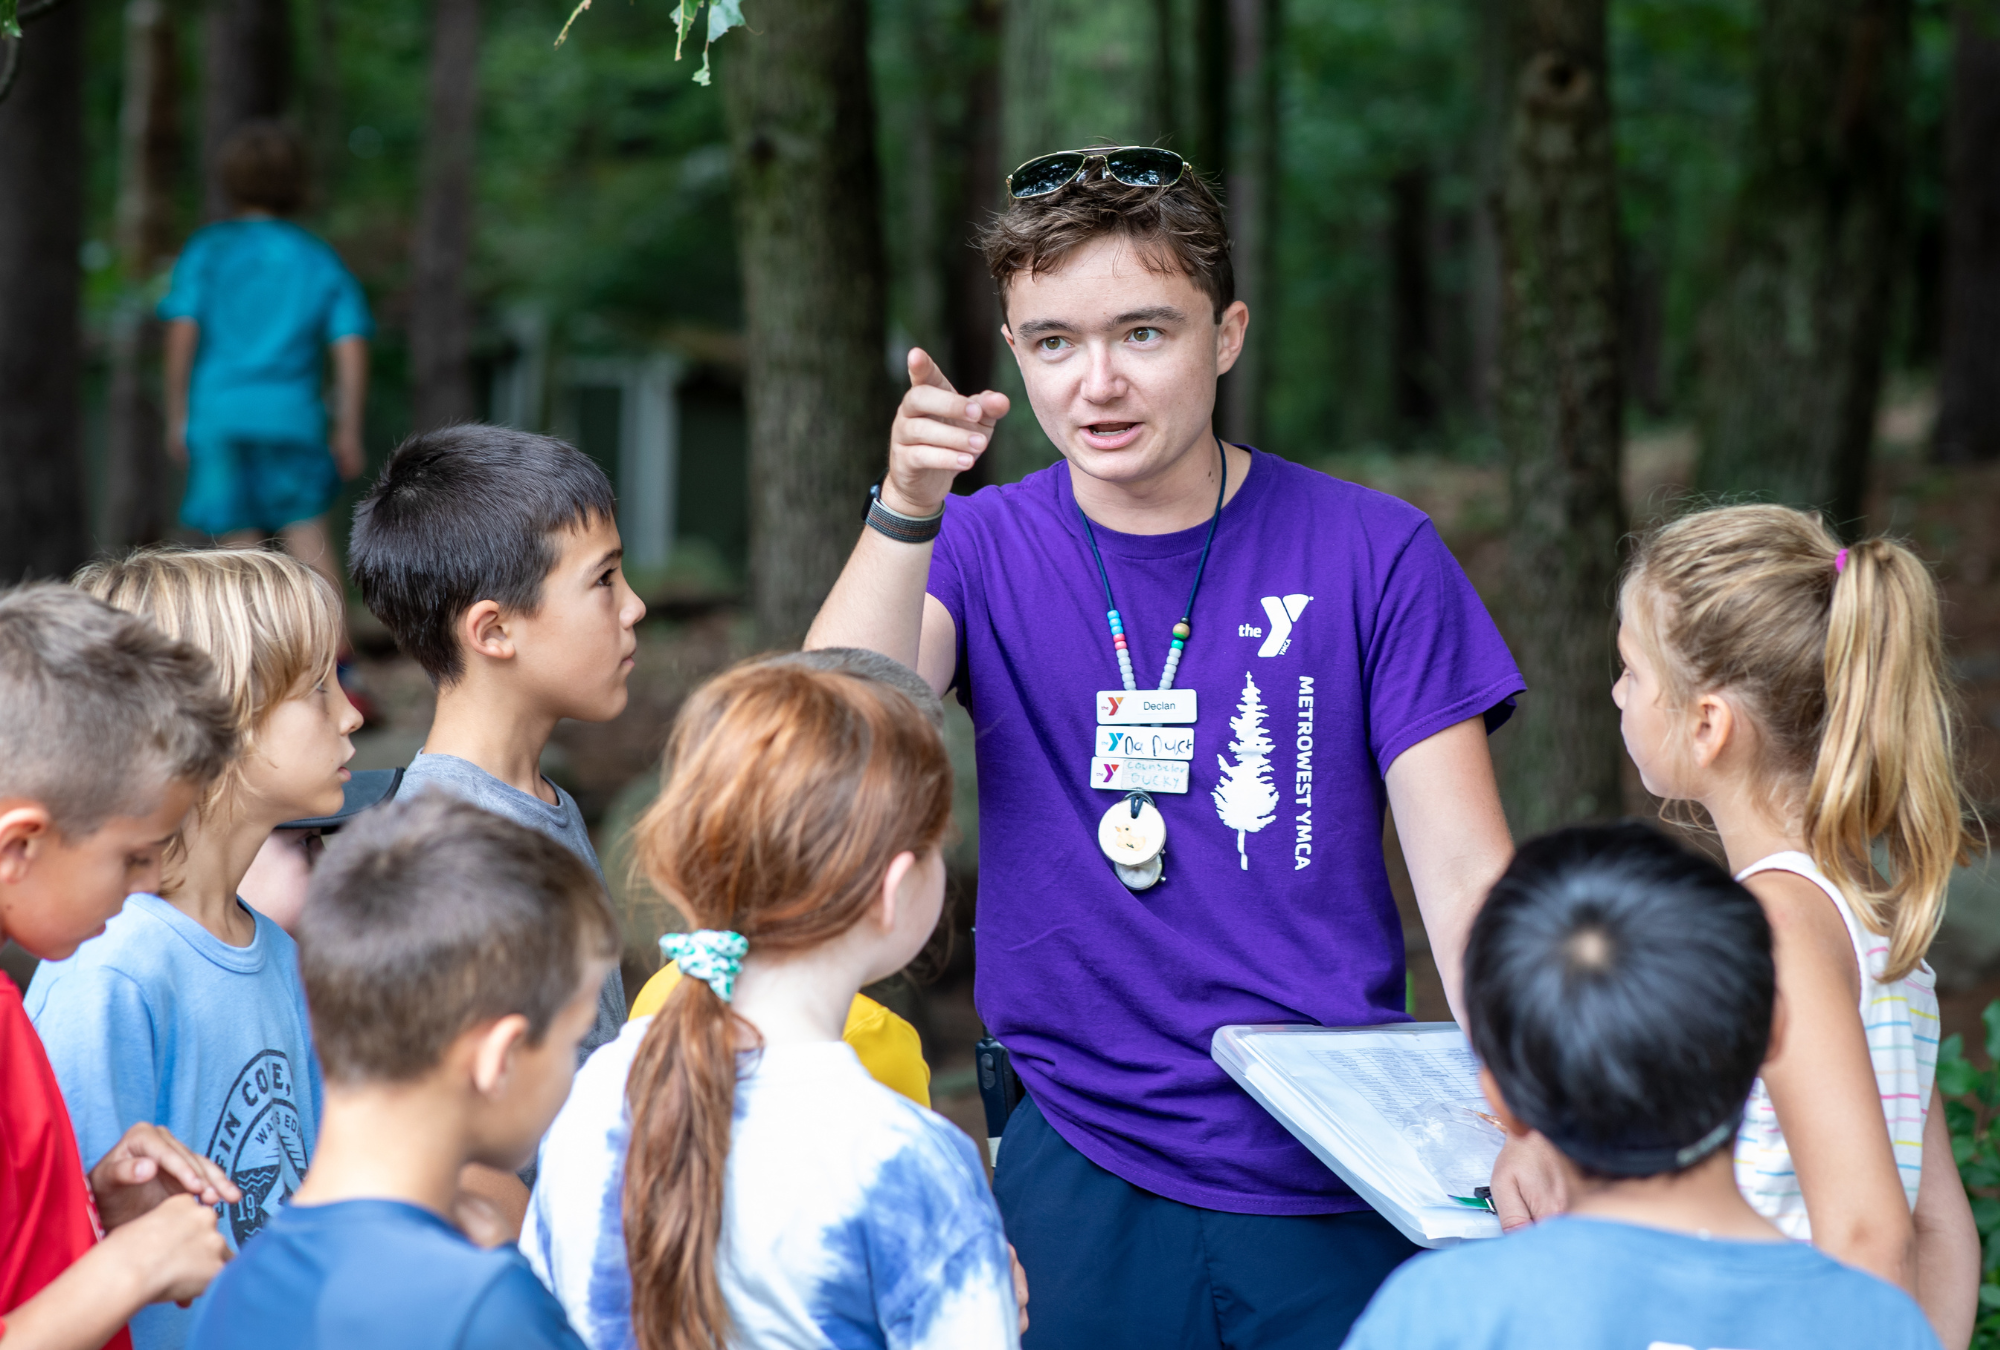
(1159, 859)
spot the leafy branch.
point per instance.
(1972, 1109)
(12, 12)
(723, 15)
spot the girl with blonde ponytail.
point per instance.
(726, 1173)
(1794, 689)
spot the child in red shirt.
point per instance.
(111, 732)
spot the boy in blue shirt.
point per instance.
(452, 961)
(256, 303)
(1620, 993)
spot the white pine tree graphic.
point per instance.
(1244, 798)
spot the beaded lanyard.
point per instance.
(1182, 630)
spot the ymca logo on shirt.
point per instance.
(1281, 612)
(260, 1142)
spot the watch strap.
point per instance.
(899, 527)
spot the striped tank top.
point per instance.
(1901, 1020)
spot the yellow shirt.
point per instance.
(887, 1046)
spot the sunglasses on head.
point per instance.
(1132, 165)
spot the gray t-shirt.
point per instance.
(561, 822)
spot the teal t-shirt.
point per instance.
(268, 297)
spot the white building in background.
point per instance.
(532, 392)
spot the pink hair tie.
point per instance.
(1840, 562)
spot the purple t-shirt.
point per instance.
(1333, 632)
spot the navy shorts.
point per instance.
(251, 483)
(1114, 1267)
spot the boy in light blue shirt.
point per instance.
(188, 1012)
(1620, 994)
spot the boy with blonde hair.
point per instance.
(111, 732)
(187, 1012)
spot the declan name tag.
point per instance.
(1144, 743)
(1126, 707)
(1143, 775)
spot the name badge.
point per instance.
(1144, 775)
(1126, 707)
(1144, 743)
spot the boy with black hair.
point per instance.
(451, 960)
(493, 556)
(1621, 996)
(111, 732)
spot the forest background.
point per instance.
(1539, 265)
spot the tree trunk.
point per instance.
(802, 143)
(1969, 411)
(1795, 341)
(1413, 346)
(249, 76)
(135, 474)
(43, 531)
(1252, 149)
(973, 315)
(1165, 90)
(440, 314)
(1560, 412)
(1210, 142)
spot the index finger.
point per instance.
(924, 371)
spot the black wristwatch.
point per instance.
(899, 527)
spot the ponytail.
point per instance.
(1836, 656)
(1886, 765)
(681, 1096)
(787, 793)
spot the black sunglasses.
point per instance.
(1132, 165)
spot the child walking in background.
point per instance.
(255, 306)
(726, 1172)
(111, 732)
(1794, 689)
(188, 1012)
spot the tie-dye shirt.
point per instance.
(1901, 1020)
(851, 1216)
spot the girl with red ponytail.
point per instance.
(726, 1173)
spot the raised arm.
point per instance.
(879, 601)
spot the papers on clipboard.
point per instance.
(1395, 1110)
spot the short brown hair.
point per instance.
(429, 916)
(102, 710)
(263, 168)
(1175, 229)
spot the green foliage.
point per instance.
(1972, 1110)
(10, 21)
(723, 15)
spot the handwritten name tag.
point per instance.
(1145, 743)
(1145, 775)
(1126, 707)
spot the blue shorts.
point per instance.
(253, 483)
(1114, 1267)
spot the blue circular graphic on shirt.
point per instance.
(260, 1141)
